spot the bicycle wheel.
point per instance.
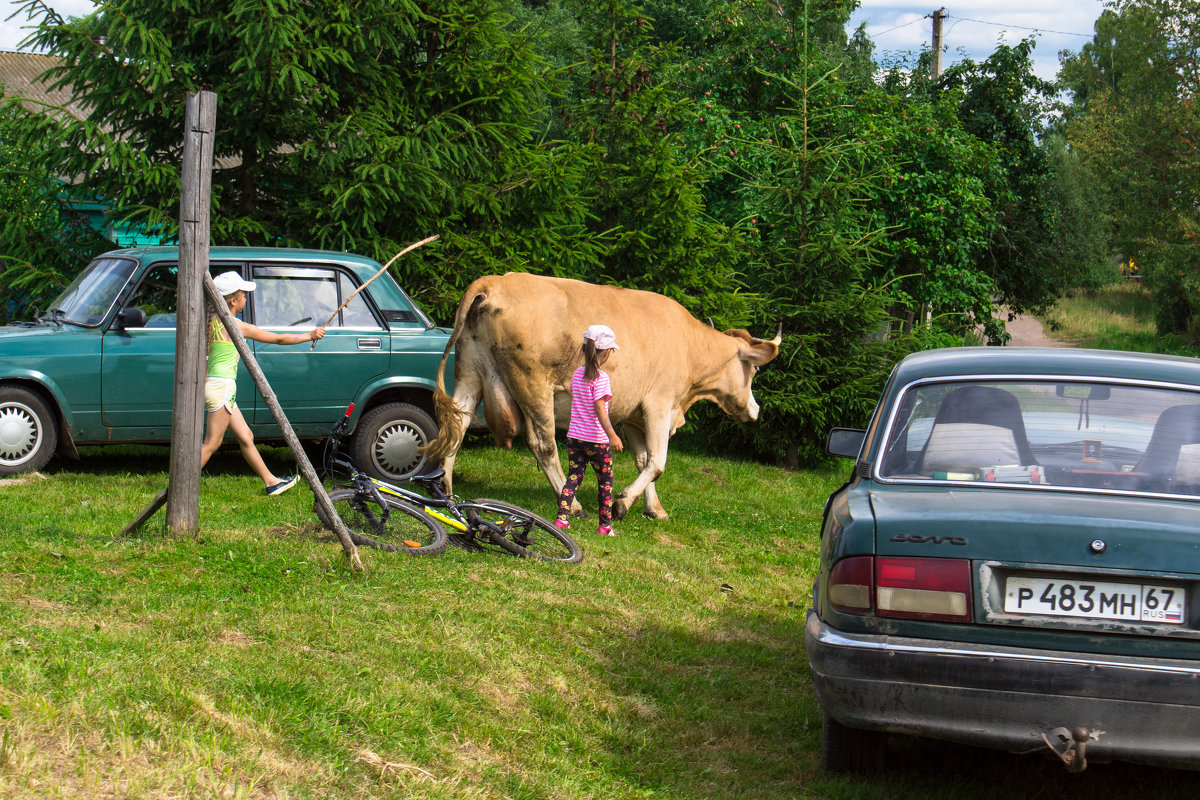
(406, 528)
(524, 533)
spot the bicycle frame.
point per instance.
(369, 485)
(480, 522)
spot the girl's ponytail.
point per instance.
(591, 361)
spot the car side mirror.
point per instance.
(131, 317)
(845, 442)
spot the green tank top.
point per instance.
(222, 354)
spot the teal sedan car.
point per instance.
(98, 366)
(1014, 561)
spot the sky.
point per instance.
(971, 29)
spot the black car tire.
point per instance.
(845, 749)
(28, 432)
(388, 439)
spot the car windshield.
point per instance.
(89, 297)
(1065, 434)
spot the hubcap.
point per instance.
(395, 450)
(20, 434)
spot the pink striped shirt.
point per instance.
(585, 425)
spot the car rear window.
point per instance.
(1089, 435)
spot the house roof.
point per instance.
(20, 72)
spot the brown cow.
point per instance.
(518, 340)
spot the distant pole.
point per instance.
(187, 422)
(938, 16)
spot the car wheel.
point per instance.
(388, 439)
(28, 434)
(845, 749)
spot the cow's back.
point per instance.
(526, 330)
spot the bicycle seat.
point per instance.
(429, 478)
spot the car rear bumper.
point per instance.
(1140, 710)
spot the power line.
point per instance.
(1020, 27)
(898, 27)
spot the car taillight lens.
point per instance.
(923, 588)
(850, 585)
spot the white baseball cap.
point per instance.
(603, 336)
(230, 282)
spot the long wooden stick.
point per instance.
(346, 302)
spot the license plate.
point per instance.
(1138, 602)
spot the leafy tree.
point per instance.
(44, 243)
(1003, 103)
(348, 126)
(1133, 122)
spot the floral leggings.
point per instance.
(579, 455)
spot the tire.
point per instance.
(845, 749)
(526, 534)
(28, 431)
(407, 529)
(388, 439)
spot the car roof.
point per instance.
(1066, 361)
(240, 253)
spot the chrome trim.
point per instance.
(825, 635)
(372, 343)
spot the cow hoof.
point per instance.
(659, 515)
(620, 508)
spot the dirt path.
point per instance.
(1029, 332)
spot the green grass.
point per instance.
(249, 661)
(1118, 317)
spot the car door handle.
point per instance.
(370, 344)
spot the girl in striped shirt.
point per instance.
(590, 437)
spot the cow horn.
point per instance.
(778, 335)
(710, 324)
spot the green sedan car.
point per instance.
(1014, 561)
(98, 366)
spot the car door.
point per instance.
(137, 384)
(314, 383)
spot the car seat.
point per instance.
(990, 419)
(1172, 460)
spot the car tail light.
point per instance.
(923, 588)
(850, 585)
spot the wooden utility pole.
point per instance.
(187, 420)
(182, 494)
(938, 16)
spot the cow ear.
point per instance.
(762, 351)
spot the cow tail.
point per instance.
(452, 422)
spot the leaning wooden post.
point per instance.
(187, 422)
(325, 510)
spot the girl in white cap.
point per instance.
(590, 437)
(221, 385)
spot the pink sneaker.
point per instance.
(606, 530)
(558, 523)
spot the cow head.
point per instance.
(731, 389)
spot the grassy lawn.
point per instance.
(1118, 317)
(250, 662)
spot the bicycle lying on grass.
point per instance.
(390, 517)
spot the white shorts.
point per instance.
(220, 392)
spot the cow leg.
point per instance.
(540, 434)
(468, 391)
(635, 441)
(650, 456)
